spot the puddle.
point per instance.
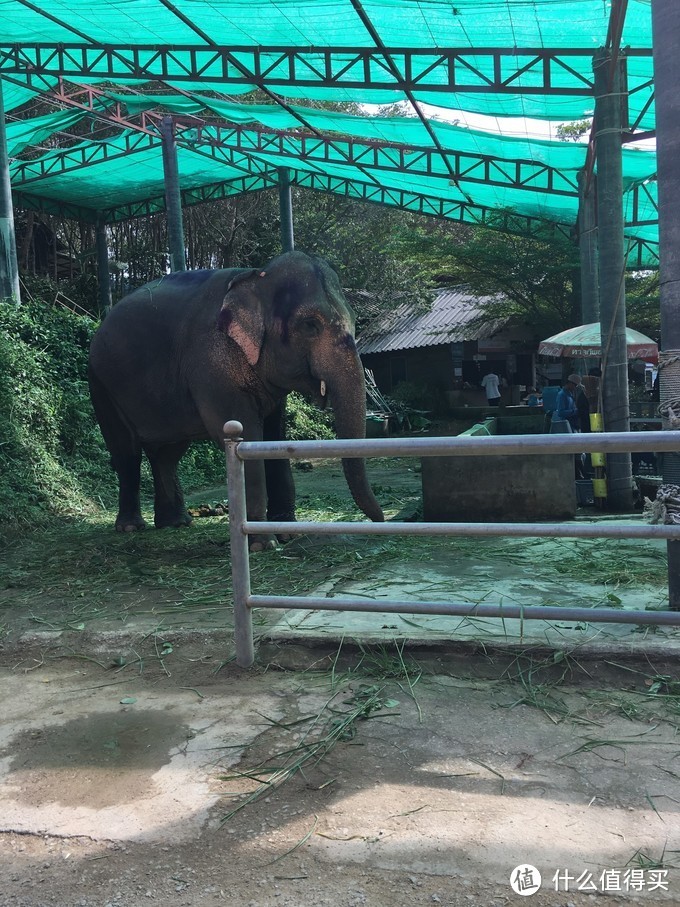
(95, 761)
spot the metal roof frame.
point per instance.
(269, 66)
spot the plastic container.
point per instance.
(584, 492)
(560, 427)
(549, 395)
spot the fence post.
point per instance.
(240, 566)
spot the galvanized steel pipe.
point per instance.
(486, 446)
(509, 612)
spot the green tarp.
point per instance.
(519, 58)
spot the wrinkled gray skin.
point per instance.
(181, 356)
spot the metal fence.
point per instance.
(239, 451)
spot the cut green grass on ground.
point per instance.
(79, 574)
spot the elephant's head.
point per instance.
(296, 330)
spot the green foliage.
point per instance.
(201, 466)
(413, 401)
(643, 304)
(52, 458)
(528, 279)
(573, 131)
(305, 422)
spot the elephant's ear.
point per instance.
(241, 316)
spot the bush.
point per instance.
(52, 458)
(420, 397)
(306, 422)
(203, 464)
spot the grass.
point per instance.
(78, 574)
(335, 723)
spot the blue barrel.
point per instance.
(549, 398)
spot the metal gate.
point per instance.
(239, 451)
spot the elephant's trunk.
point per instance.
(348, 398)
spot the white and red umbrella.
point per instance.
(585, 341)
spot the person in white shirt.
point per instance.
(490, 383)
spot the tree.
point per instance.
(573, 131)
(528, 278)
(643, 307)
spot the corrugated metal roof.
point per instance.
(452, 318)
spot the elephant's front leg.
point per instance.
(256, 503)
(278, 474)
(280, 494)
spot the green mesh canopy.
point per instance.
(196, 59)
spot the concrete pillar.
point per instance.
(103, 278)
(615, 405)
(173, 198)
(286, 208)
(587, 247)
(9, 268)
(666, 40)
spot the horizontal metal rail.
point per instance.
(239, 451)
(467, 446)
(533, 530)
(509, 612)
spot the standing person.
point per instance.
(490, 383)
(567, 411)
(565, 405)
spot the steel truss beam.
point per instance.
(69, 160)
(634, 217)
(516, 70)
(370, 155)
(639, 252)
(391, 157)
(233, 144)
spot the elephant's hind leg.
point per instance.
(128, 466)
(126, 456)
(169, 508)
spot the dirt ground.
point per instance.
(138, 766)
(124, 788)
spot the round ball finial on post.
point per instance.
(233, 430)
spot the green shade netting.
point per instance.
(129, 169)
(566, 157)
(24, 133)
(535, 179)
(423, 26)
(16, 92)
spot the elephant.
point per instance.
(177, 358)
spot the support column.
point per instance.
(286, 208)
(173, 198)
(666, 35)
(103, 278)
(9, 268)
(587, 248)
(615, 405)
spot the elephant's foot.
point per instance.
(129, 522)
(261, 543)
(172, 520)
(286, 517)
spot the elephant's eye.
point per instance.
(310, 327)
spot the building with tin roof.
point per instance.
(449, 348)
